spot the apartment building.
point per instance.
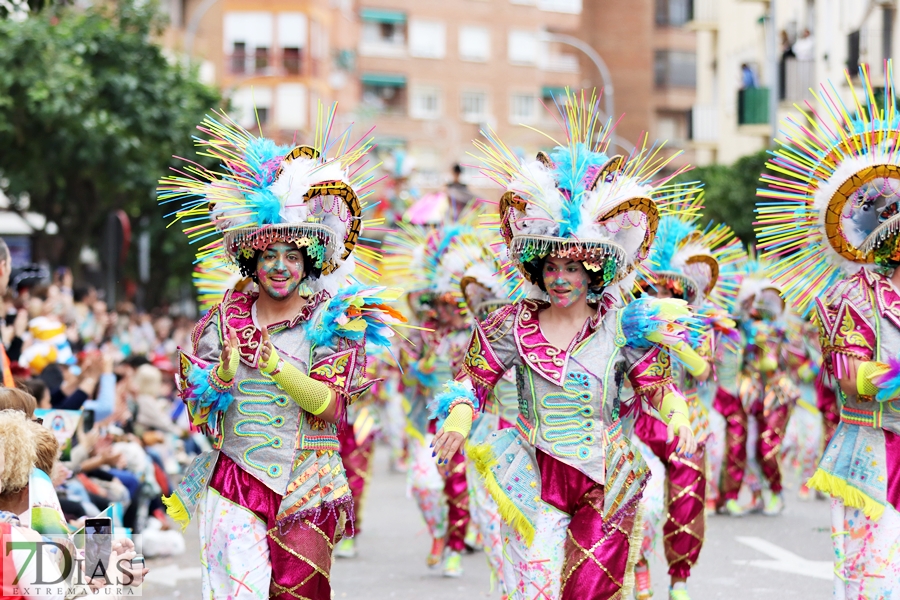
(272, 55)
(431, 75)
(742, 59)
(651, 56)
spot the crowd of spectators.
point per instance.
(114, 369)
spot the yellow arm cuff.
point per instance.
(310, 394)
(693, 362)
(227, 372)
(674, 410)
(460, 420)
(864, 385)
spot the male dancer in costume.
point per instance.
(685, 263)
(271, 373)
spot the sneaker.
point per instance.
(757, 504)
(774, 506)
(710, 506)
(733, 508)
(453, 564)
(473, 540)
(346, 548)
(804, 494)
(643, 590)
(679, 592)
(437, 549)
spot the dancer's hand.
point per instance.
(446, 444)
(687, 444)
(229, 351)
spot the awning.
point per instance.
(383, 79)
(382, 15)
(549, 91)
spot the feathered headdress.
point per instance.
(579, 201)
(697, 262)
(309, 195)
(833, 189)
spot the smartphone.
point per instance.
(137, 563)
(87, 418)
(97, 547)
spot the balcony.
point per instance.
(704, 123)
(268, 62)
(560, 63)
(798, 77)
(705, 15)
(753, 106)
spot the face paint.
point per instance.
(566, 281)
(280, 270)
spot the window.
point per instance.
(522, 108)
(384, 92)
(474, 106)
(292, 38)
(290, 105)
(563, 6)
(383, 33)
(675, 68)
(674, 13)
(425, 102)
(474, 43)
(523, 47)
(247, 39)
(427, 39)
(251, 104)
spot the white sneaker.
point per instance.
(774, 506)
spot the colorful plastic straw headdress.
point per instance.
(832, 190)
(579, 201)
(698, 263)
(309, 195)
(490, 282)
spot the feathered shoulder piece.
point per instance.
(646, 322)
(358, 314)
(830, 196)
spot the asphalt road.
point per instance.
(751, 557)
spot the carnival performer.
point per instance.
(685, 263)
(765, 392)
(272, 372)
(566, 478)
(422, 256)
(487, 282)
(832, 213)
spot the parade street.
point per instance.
(745, 558)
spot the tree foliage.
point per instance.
(91, 113)
(731, 192)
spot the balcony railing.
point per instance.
(705, 123)
(561, 63)
(753, 106)
(798, 77)
(287, 61)
(705, 12)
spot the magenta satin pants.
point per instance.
(685, 525)
(596, 552)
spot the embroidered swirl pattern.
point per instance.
(567, 421)
(250, 405)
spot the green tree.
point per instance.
(731, 192)
(91, 113)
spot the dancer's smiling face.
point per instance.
(566, 281)
(279, 270)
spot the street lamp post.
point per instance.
(568, 40)
(609, 93)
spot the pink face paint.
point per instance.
(566, 281)
(280, 270)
